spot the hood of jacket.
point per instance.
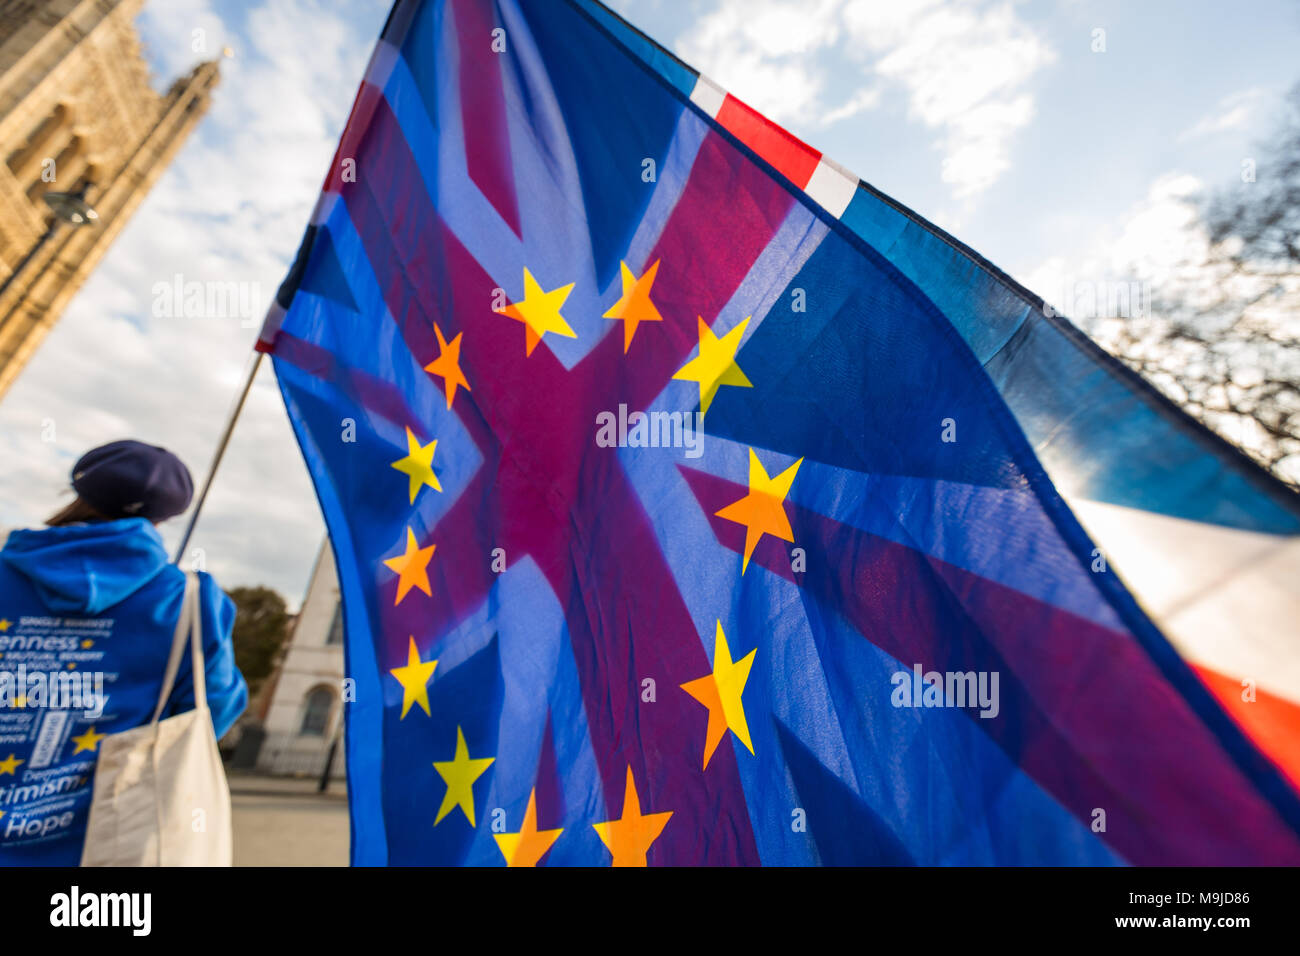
(87, 568)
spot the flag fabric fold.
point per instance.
(695, 504)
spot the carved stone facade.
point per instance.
(76, 110)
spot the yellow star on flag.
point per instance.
(635, 305)
(629, 837)
(762, 511)
(414, 677)
(5, 624)
(447, 365)
(540, 312)
(10, 765)
(418, 465)
(412, 567)
(460, 773)
(721, 693)
(87, 644)
(529, 845)
(715, 365)
(88, 741)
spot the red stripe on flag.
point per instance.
(793, 158)
(1272, 722)
(363, 111)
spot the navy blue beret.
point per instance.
(129, 479)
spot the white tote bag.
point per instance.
(161, 797)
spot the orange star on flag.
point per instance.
(762, 511)
(629, 837)
(529, 845)
(635, 305)
(412, 567)
(447, 365)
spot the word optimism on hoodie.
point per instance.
(959, 689)
(75, 908)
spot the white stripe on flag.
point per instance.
(708, 96)
(1225, 598)
(832, 186)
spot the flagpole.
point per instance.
(254, 365)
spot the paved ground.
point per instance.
(283, 821)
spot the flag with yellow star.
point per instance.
(691, 500)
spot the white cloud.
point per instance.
(1156, 236)
(764, 52)
(966, 68)
(178, 33)
(864, 99)
(1161, 231)
(1233, 113)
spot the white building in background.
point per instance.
(304, 709)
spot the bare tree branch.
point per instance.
(1223, 336)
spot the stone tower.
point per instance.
(76, 110)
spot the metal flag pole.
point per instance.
(254, 365)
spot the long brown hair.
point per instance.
(78, 511)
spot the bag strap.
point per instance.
(197, 666)
(188, 623)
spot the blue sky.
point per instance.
(994, 118)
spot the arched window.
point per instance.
(316, 712)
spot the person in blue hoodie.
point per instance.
(88, 606)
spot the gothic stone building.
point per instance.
(76, 111)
